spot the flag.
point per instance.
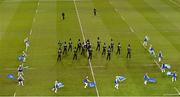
(10, 76)
(152, 80)
(92, 84)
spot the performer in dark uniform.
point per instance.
(59, 55)
(98, 44)
(75, 54)
(128, 51)
(104, 49)
(109, 53)
(70, 45)
(119, 48)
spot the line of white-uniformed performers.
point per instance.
(86, 47)
(159, 56)
(22, 58)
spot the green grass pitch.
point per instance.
(125, 21)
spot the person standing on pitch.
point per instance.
(146, 39)
(94, 11)
(109, 53)
(75, 54)
(90, 53)
(160, 56)
(79, 45)
(86, 82)
(112, 45)
(128, 51)
(70, 45)
(146, 78)
(83, 48)
(65, 48)
(117, 81)
(104, 49)
(63, 15)
(59, 55)
(119, 48)
(59, 44)
(98, 44)
(174, 76)
(27, 43)
(20, 70)
(87, 44)
(20, 80)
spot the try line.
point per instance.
(82, 31)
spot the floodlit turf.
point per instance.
(125, 21)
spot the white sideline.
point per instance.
(82, 31)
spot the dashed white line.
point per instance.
(34, 19)
(38, 3)
(82, 31)
(123, 18)
(174, 3)
(36, 11)
(116, 10)
(132, 30)
(30, 31)
(157, 64)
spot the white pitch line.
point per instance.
(170, 95)
(157, 64)
(36, 11)
(38, 3)
(132, 30)
(123, 17)
(14, 94)
(93, 67)
(85, 41)
(34, 20)
(31, 32)
(154, 60)
(116, 9)
(177, 90)
(174, 3)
